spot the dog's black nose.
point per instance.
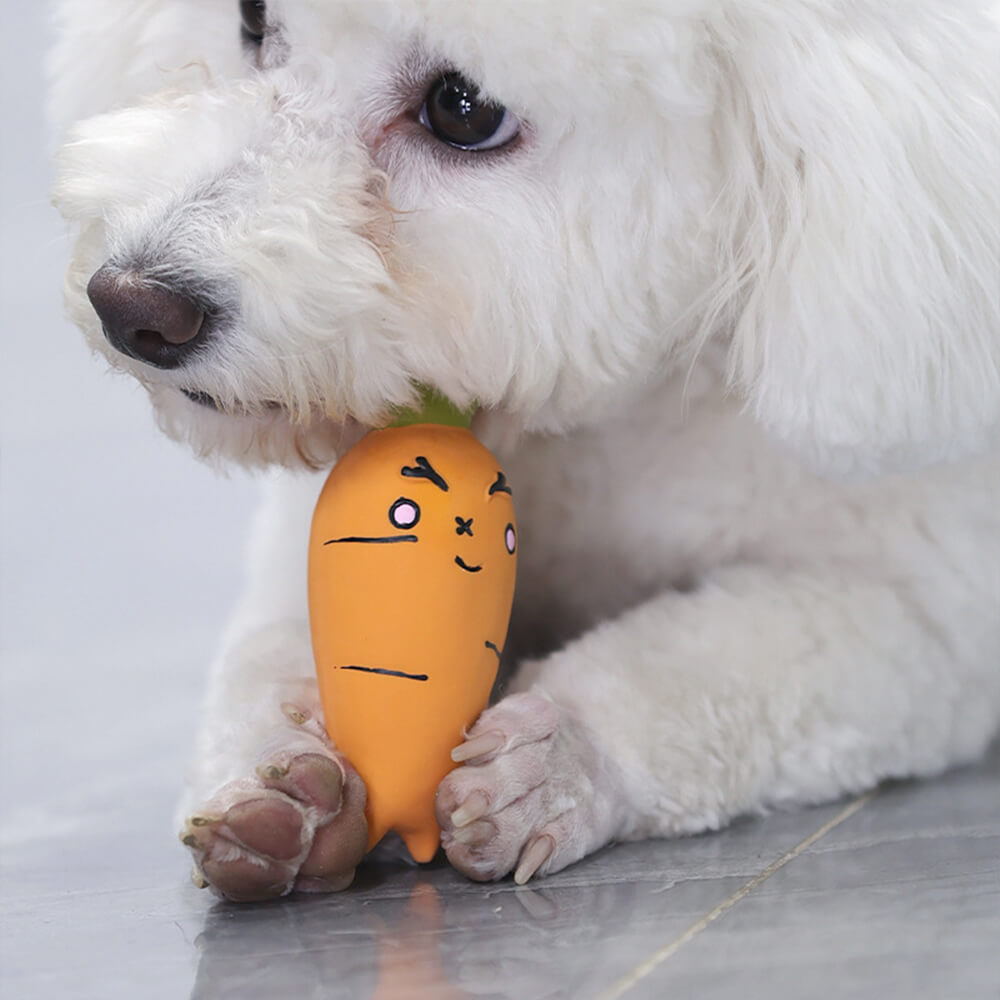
(145, 321)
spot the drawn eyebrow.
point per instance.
(424, 470)
(500, 486)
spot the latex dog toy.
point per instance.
(412, 560)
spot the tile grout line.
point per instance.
(641, 971)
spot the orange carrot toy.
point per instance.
(411, 578)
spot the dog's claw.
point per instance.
(474, 834)
(205, 820)
(535, 855)
(475, 806)
(478, 746)
(297, 715)
(271, 772)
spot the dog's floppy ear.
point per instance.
(110, 53)
(861, 226)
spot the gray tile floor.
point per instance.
(118, 560)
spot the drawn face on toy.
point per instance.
(424, 528)
(405, 514)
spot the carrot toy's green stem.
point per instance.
(433, 408)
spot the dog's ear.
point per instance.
(860, 229)
(111, 53)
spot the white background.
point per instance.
(119, 553)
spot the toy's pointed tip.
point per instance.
(423, 845)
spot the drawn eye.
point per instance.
(404, 513)
(510, 538)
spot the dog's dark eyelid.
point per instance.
(253, 15)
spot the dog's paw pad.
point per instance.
(270, 827)
(299, 824)
(313, 779)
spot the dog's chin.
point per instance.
(251, 434)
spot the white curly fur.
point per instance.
(734, 293)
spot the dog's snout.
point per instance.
(146, 321)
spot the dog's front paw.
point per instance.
(535, 792)
(297, 824)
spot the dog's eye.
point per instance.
(254, 17)
(455, 113)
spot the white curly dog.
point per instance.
(722, 278)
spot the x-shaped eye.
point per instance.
(464, 527)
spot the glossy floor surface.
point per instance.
(893, 896)
(119, 558)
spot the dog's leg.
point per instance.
(762, 688)
(271, 806)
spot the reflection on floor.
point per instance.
(897, 894)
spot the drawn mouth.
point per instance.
(466, 567)
(386, 673)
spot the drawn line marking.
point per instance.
(376, 541)
(387, 673)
